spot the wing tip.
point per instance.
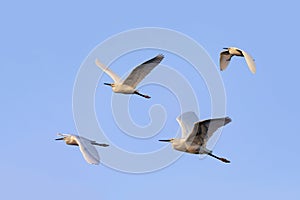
(100, 64)
(159, 57)
(97, 62)
(253, 70)
(227, 120)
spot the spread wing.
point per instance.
(186, 122)
(88, 151)
(110, 73)
(250, 62)
(141, 71)
(225, 57)
(203, 130)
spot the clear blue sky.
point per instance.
(42, 46)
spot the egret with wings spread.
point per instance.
(225, 57)
(86, 147)
(195, 134)
(128, 85)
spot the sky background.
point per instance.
(42, 46)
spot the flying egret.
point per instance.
(87, 149)
(135, 77)
(196, 134)
(225, 57)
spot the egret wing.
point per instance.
(250, 62)
(88, 151)
(186, 122)
(114, 76)
(141, 71)
(203, 130)
(225, 58)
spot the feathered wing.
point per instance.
(186, 122)
(141, 71)
(203, 130)
(225, 58)
(88, 151)
(250, 62)
(114, 76)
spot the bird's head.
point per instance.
(110, 84)
(169, 140)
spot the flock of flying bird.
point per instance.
(195, 133)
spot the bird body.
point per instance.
(201, 131)
(235, 51)
(134, 78)
(71, 140)
(225, 57)
(125, 89)
(86, 147)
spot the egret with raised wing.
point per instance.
(135, 77)
(225, 57)
(195, 134)
(86, 147)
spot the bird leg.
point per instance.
(143, 95)
(102, 145)
(221, 159)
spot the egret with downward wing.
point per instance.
(225, 57)
(86, 147)
(135, 77)
(196, 134)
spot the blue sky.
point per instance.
(42, 47)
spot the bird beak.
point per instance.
(108, 84)
(164, 140)
(225, 48)
(59, 138)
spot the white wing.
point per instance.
(203, 130)
(186, 122)
(114, 76)
(88, 151)
(224, 59)
(141, 71)
(250, 62)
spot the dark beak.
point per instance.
(107, 84)
(225, 48)
(59, 138)
(164, 140)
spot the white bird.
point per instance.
(196, 134)
(87, 149)
(225, 57)
(135, 77)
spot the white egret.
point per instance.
(196, 134)
(86, 147)
(225, 57)
(135, 77)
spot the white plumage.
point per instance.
(225, 57)
(86, 147)
(135, 77)
(199, 133)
